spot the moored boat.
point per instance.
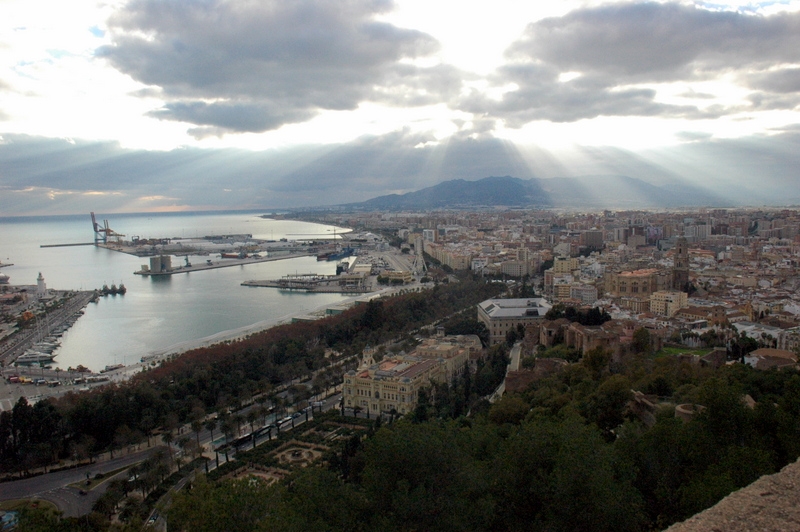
(34, 357)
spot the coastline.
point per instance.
(126, 372)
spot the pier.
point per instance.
(221, 263)
(67, 245)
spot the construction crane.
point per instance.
(102, 233)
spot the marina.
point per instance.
(37, 343)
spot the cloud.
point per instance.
(252, 116)
(636, 42)
(693, 136)
(784, 80)
(54, 176)
(230, 66)
(617, 55)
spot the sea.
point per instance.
(159, 314)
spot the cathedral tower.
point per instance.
(680, 269)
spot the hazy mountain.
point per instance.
(606, 191)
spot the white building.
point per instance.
(41, 287)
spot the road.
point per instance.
(11, 392)
(55, 487)
(513, 365)
(515, 356)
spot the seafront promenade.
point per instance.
(11, 392)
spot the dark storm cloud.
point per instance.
(253, 66)
(616, 47)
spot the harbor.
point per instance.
(161, 311)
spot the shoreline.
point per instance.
(232, 335)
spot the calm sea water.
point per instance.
(160, 312)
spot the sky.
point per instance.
(149, 105)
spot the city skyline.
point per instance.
(154, 106)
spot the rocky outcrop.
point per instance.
(770, 504)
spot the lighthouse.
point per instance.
(41, 288)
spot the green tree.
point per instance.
(561, 476)
(596, 360)
(231, 505)
(606, 407)
(641, 344)
(509, 409)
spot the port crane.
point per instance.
(103, 232)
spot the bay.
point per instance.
(157, 313)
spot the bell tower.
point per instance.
(680, 269)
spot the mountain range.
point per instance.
(594, 191)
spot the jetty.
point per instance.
(218, 263)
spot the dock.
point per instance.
(67, 245)
(221, 263)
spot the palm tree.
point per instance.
(211, 424)
(197, 426)
(252, 415)
(238, 419)
(168, 438)
(227, 429)
(263, 412)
